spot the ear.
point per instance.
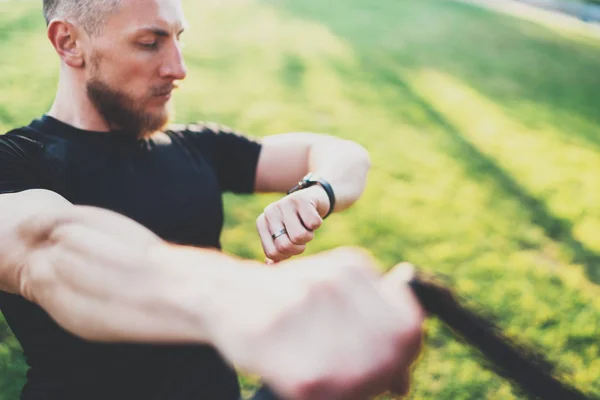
(64, 37)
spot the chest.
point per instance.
(168, 189)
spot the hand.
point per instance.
(287, 225)
(325, 327)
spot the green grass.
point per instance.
(484, 131)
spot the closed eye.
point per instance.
(150, 46)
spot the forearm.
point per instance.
(105, 278)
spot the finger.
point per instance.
(400, 385)
(309, 216)
(268, 261)
(265, 238)
(411, 315)
(283, 245)
(401, 273)
(395, 287)
(296, 231)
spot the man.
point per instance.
(110, 272)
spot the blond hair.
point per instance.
(91, 14)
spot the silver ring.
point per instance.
(278, 234)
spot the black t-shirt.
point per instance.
(171, 183)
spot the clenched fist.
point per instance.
(325, 327)
(287, 225)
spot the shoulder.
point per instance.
(20, 167)
(22, 142)
(203, 129)
(214, 138)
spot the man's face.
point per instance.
(133, 65)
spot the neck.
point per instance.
(72, 106)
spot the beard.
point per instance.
(121, 111)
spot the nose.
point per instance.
(174, 66)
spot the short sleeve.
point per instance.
(17, 169)
(234, 155)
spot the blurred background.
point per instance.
(483, 125)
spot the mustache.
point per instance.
(163, 90)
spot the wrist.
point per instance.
(318, 195)
(310, 181)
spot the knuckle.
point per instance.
(295, 237)
(300, 249)
(318, 222)
(295, 198)
(314, 223)
(300, 201)
(273, 255)
(301, 237)
(308, 236)
(271, 210)
(298, 196)
(282, 246)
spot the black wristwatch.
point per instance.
(308, 181)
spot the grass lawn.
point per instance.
(484, 131)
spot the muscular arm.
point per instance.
(104, 277)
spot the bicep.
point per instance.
(37, 226)
(284, 160)
(26, 218)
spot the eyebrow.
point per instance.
(159, 31)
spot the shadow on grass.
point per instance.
(497, 55)
(481, 167)
(537, 75)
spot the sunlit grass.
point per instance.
(562, 24)
(482, 128)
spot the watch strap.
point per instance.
(309, 181)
